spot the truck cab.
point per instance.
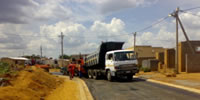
(121, 63)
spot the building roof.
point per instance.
(144, 51)
(17, 58)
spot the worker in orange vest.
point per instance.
(71, 68)
(79, 69)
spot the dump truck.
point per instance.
(111, 62)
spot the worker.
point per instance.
(71, 68)
(79, 69)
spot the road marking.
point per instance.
(172, 85)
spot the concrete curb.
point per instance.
(172, 85)
(86, 91)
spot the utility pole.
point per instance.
(175, 15)
(61, 36)
(187, 39)
(40, 51)
(176, 59)
(134, 45)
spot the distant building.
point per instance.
(189, 62)
(65, 62)
(15, 62)
(77, 56)
(145, 52)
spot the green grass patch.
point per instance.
(145, 69)
(4, 68)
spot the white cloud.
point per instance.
(70, 30)
(165, 37)
(46, 19)
(13, 36)
(102, 29)
(109, 6)
(52, 10)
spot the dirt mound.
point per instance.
(31, 84)
(69, 90)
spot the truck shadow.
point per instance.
(123, 80)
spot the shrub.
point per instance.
(145, 69)
(4, 68)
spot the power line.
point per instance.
(145, 28)
(190, 9)
(155, 23)
(140, 30)
(190, 13)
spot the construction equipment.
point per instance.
(111, 61)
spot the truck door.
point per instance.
(110, 61)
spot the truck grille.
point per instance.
(128, 67)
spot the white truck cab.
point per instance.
(121, 63)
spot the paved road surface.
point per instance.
(136, 90)
(56, 73)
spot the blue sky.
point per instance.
(27, 24)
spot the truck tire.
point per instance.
(129, 77)
(95, 74)
(46, 69)
(109, 76)
(89, 74)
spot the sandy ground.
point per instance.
(30, 84)
(54, 70)
(36, 84)
(67, 91)
(189, 80)
(74, 89)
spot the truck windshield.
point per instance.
(121, 56)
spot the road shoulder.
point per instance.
(74, 89)
(169, 84)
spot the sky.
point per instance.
(25, 25)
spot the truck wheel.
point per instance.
(95, 75)
(109, 76)
(89, 74)
(47, 69)
(130, 77)
(64, 73)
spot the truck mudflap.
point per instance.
(112, 73)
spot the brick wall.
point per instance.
(183, 50)
(169, 58)
(192, 63)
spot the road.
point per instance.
(137, 89)
(56, 73)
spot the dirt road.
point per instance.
(136, 90)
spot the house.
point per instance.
(15, 62)
(189, 62)
(145, 52)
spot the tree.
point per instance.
(65, 56)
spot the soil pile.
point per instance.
(69, 90)
(32, 84)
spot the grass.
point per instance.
(4, 68)
(145, 69)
